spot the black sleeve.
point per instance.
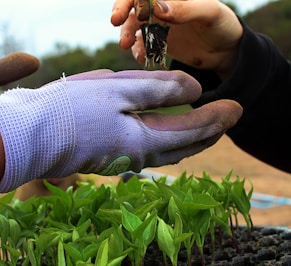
(261, 83)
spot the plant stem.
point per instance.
(151, 11)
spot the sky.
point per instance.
(38, 25)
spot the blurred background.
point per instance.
(75, 36)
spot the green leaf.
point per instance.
(182, 238)
(75, 235)
(133, 185)
(212, 187)
(222, 223)
(181, 180)
(169, 191)
(4, 229)
(116, 261)
(129, 220)
(205, 201)
(102, 255)
(7, 198)
(251, 190)
(178, 225)
(115, 244)
(147, 207)
(145, 232)
(30, 253)
(82, 263)
(240, 197)
(61, 254)
(200, 223)
(241, 200)
(200, 202)
(46, 240)
(60, 210)
(90, 250)
(173, 210)
(14, 231)
(124, 238)
(69, 261)
(113, 216)
(56, 191)
(83, 228)
(72, 251)
(165, 239)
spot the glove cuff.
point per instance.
(38, 132)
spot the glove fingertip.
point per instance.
(16, 66)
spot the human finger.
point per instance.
(216, 117)
(145, 90)
(176, 155)
(120, 11)
(128, 31)
(17, 65)
(186, 135)
(179, 12)
(138, 49)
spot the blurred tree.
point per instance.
(114, 58)
(65, 60)
(274, 20)
(70, 61)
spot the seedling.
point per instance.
(113, 224)
(154, 36)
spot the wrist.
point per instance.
(228, 58)
(227, 63)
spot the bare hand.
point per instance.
(204, 34)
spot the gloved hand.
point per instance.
(17, 65)
(90, 123)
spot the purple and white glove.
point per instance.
(89, 123)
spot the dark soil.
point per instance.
(155, 43)
(263, 246)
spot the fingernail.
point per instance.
(163, 6)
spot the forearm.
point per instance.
(262, 82)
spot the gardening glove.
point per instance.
(89, 123)
(16, 66)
